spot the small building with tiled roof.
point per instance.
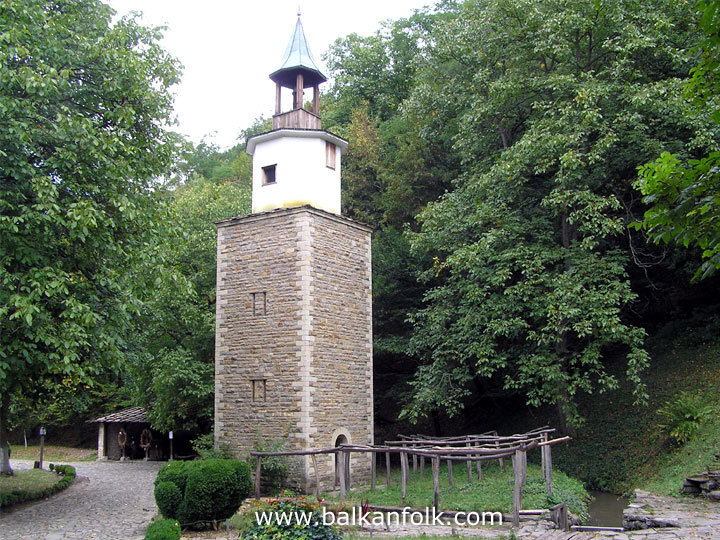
(126, 434)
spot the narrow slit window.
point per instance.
(259, 303)
(259, 389)
(329, 155)
(269, 174)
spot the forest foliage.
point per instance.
(501, 150)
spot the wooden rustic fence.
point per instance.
(468, 448)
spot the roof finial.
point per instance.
(298, 10)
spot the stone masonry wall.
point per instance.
(305, 338)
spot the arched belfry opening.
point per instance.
(293, 340)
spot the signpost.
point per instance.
(42, 444)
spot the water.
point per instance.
(606, 509)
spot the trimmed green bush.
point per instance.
(168, 498)
(17, 496)
(215, 490)
(163, 529)
(684, 415)
(210, 489)
(175, 472)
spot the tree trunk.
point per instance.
(4, 456)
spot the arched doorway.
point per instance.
(339, 441)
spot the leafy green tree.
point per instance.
(83, 107)
(557, 103)
(683, 187)
(173, 365)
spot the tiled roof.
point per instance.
(133, 414)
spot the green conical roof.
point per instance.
(298, 59)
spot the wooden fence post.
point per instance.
(257, 476)
(548, 469)
(405, 466)
(469, 466)
(387, 468)
(517, 489)
(414, 459)
(347, 470)
(373, 466)
(317, 476)
(450, 473)
(341, 473)
(436, 482)
(403, 474)
(422, 467)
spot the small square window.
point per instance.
(259, 389)
(259, 303)
(329, 155)
(269, 174)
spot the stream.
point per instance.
(606, 509)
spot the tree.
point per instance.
(84, 106)
(683, 188)
(557, 103)
(173, 362)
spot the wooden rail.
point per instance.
(468, 448)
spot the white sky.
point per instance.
(228, 49)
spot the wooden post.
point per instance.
(548, 469)
(500, 460)
(517, 489)
(414, 458)
(387, 468)
(299, 91)
(317, 476)
(348, 481)
(373, 466)
(450, 472)
(479, 470)
(278, 98)
(404, 459)
(523, 468)
(316, 101)
(403, 474)
(257, 477)
(422, 467)
(469, 466)
(341, 474)
(436, 482)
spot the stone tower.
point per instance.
(293, 346)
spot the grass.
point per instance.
(494, 493)
(32, 481)
(53, 453)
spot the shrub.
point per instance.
(291, 528)
(168, 498)
(163, 529)
(209, 490)
(683, 416)
(204, 445)
(214, 491)
(273, 469)
(175, 472)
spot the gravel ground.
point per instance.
(108, 500)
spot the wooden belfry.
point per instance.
(297, 72)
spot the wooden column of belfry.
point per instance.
(299, 91)
(278, 98)
(316, 99)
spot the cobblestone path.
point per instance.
(107, 501)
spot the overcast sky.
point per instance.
(228, 49)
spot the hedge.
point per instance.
(210, 489)
(18, 496)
